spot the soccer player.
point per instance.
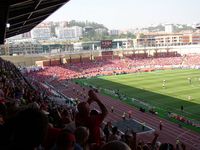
(163, 85)
(190, 80)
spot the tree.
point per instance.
(131, 35)
(142, 35)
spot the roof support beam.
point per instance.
(18, 2)
(27, 25)
(3, 20)
(37, 3)
(22, 20)
(25, 11)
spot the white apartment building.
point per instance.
(69, 32)
(101, 30)
(78, 31)
(169, 28)
(114, 32)
(41, 33)
(169, 40)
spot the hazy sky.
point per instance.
(122, 14)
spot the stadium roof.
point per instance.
(20, 16)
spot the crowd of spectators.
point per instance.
(191, 59)
(30, 119)
(109, 67)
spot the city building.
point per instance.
(41, 32)
(192, 38)
(101, 30)
(24, 46)
(78, 31)
(169, 28)
(144, 41)
(169, 40)
(26, 35)
(166, 39)
(114, 32)
(70, 33)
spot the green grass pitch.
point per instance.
(148, 87)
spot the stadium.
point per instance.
(146, 97)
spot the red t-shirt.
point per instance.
(52, 135)
(93, 123)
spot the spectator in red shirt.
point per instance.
(82, 135)
(93, 122)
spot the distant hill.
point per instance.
(86, 23)
(156, 28)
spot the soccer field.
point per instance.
(148, 87)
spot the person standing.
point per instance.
(189, 98)
(143, 126)
(107, 130)
(93, 122)
(163, 85)
(161, 125)
(124, 116)
(129, 114)
(112, 109)
(182, 108)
